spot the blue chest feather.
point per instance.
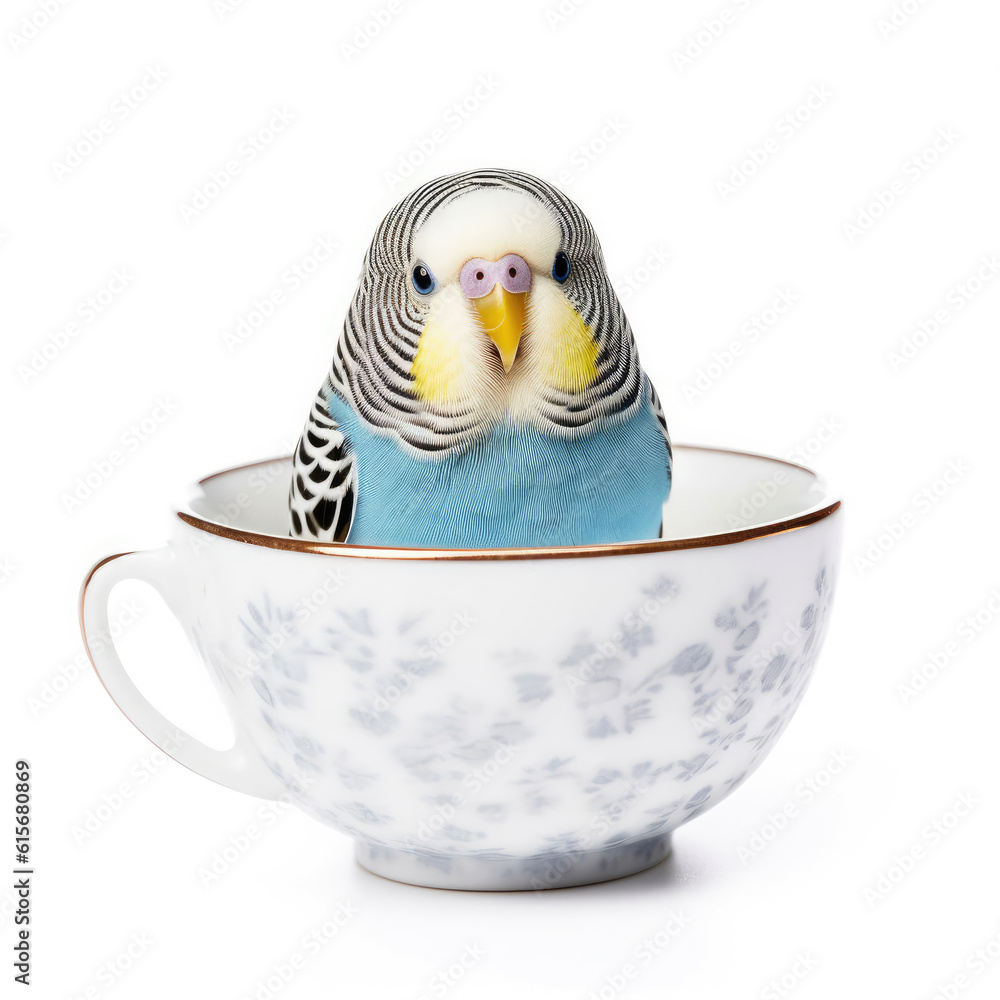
(516, 487)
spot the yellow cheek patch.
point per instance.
(437, 366)
(569, 361)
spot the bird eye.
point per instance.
(560, 267)
(423, 280)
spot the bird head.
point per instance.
(485, 293)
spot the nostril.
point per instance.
(479, 276)
(514, 273)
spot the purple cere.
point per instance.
(479, 276)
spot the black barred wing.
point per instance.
(323, 492)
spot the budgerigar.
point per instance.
(485, 391)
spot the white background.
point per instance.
(548, 89)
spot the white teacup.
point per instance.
(496, 719)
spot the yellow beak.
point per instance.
(502, 313)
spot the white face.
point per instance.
(495, 348)
(487, 223)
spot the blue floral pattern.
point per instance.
(484, 803)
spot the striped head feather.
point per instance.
(447, 335)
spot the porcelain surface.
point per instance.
(482, 722)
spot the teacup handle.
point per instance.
(239, 767)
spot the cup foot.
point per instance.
(505, 873)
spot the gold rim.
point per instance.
(552, 552)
